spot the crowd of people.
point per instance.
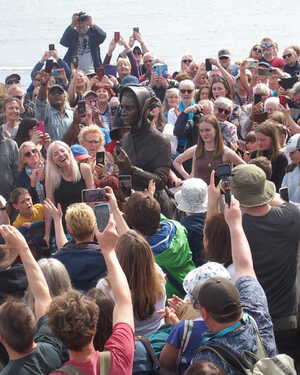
(193, 231)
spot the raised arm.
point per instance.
(55, 213)
(123, 311)
(241, 253)
(121, 224)
(36, 280)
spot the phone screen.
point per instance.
(125, 185)
(100, 157)
(102, 213)
(257, 98)
(284, 194)
(41, 126)
(136, 29)
(51, 47)
(94, 195)
(81, 107)
(223, 170)
(49, 66)
(208, 66)
(282, 100)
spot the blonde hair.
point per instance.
(54, 173)
(169, 92)
(21, 153)
(90, 129)
(80, 220)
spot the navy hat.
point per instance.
(224, 53)
(13, 77)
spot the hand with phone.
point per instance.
(107, 240)
(102, 213)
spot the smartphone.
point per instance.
(93, 195)
(100, 72)
(208, 65)
(75, 61)
(81, 108)
(136, 29)
(117, 36)
(161, 69)
(51, 47)
(257, 98)
(288, 83)
(56, 72)
(282, 100)
(252, 63)
(49, 66)
(102, 213)
(41, 126)
(284, 194)
(125, 185)
(100, 157)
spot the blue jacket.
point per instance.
(84, 263)
(70, 40)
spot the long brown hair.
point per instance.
(145, 281)
(219, 143)
(268, 129)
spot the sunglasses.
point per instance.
(12, 82)
(226, 111)
(257, 50)
(186, 91)
(31, 152)
(224, 57)
(266, 45)
(287, 55)
(187, 61)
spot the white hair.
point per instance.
(272, 100)
(262, 88)
(54, 173)
(186, 82)
(225, 102)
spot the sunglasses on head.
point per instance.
(187, 61)
(226, 111)
(31, 152)
(287, 55)
(255, 49)
(266, 45)
(186, 91)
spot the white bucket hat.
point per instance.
(192, 196)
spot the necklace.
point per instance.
(210, 159)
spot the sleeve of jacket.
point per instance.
(134, 66)
(68, 35)
(98, 34)
(36, 68)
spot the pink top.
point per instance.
(121, 346)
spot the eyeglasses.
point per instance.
(12, 82)
(187, 61)
(30, 153)
(266, 45)
(186, 91)
(287, 55)
(226, 111)
(257, 50)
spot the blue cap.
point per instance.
(80, 152)
(130, 81)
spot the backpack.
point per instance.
(147, 351)
(249, 363)
(187, 331)
(105, 358)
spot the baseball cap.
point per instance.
(293, 144)
(13, 77)
(220, 298)
(251, 187)
(224, 53)
(80, 152)
(56, 88)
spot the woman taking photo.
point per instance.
(79, 84)
(209, 152)
(31, 174)
(267, 142)
(146, 282)
(65, 179)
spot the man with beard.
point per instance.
(51, 108)
(269, 54)
(82, 39)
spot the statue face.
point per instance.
(130, 110)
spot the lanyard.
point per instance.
(226, 330)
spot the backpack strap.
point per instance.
(226, 356)
(105, 360)
(70, 370)
(150, 351)
(187, 331)
(261, 352)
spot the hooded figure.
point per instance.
(145, 152)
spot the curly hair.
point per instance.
(73, 319)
